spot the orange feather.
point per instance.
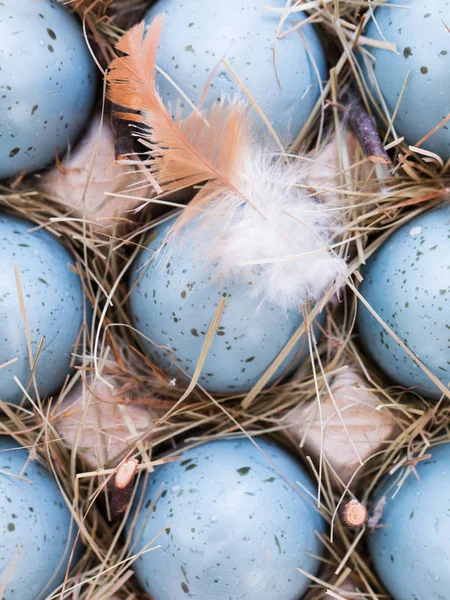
(204, 147)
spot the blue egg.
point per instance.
(53, 300)
(174, 307)
(411, 548)
(229, 525)
(284, 77)
(423, 51)
(47, 83)
(37, 533)
(407, 282)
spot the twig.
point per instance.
(354, 514)
(123, 487)
(364, 126)
(124, 141)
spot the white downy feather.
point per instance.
(290, 237)
(279, 230)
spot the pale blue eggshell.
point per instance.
(411, 548)
(174, 307)
(198, 34)
(231, 526)
(36, 527)
(47, 83)
(53, 302)
(407, 282)
(423, 49)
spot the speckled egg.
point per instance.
(53, 300)
(407, 282)
(229, 525)
(411, 546)
(284, 77)
(47, 83)
(423, 50)
(37, 533)
(173, 306)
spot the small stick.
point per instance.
(124, 142)
(364, 126)
(123, 487)
(354, 514)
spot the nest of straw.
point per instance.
(373, 212)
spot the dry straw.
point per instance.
(377, 199)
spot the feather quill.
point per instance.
(252, 207)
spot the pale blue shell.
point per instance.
(229, 526)
(174, 307)
(411, 553)
(423, 49)
(198, 34)
(407, 282)
(53, 302)
(47, 83)
(36, 528)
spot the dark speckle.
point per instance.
(183, 570)
(407, 52)
(243, 471)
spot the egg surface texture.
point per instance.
(53, 301)
(284, 77)
(423, 51)
(173, 304)
(411, 548)
(47, 83)
(36, 530)
(407, 283)
(232, 527)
